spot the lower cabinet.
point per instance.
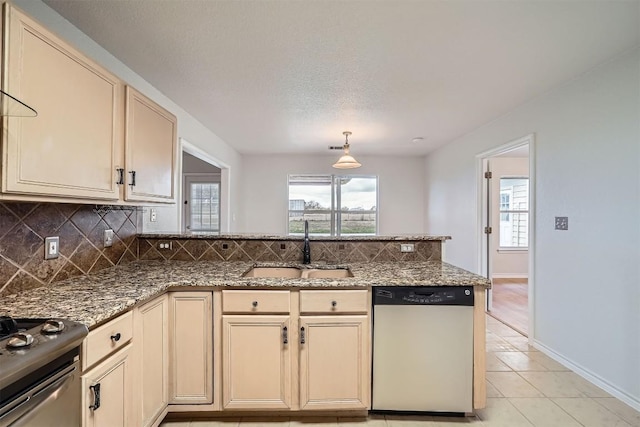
(191, 348)
(256, 362)
(107, 392)
(334, 362)
(152, 346)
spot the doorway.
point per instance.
(204, 192)
(506, 220)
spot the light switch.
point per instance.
(153, 215)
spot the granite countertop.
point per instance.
(95, 298)
(224, 236)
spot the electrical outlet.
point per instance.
(407, 247)
(562, 223)
(51, 247)
(165, 245)
(153, 216)
(108, 238)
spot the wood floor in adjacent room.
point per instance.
(511, 303)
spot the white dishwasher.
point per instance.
(423, 349)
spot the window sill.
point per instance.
(512, 250)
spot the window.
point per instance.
(204, 206)
(334, 205)
(514, 212)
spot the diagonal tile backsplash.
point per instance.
(23, 227)
(253, 250)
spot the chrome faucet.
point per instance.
(306, 251)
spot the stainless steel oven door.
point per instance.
(52, 403)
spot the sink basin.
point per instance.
(336, 273)
(297, 273)
(275, 272)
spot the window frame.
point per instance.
(513, 211)
(200, 178)
(335, 212)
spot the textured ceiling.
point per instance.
(290, 76)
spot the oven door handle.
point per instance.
(28, 404)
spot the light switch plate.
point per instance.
(51, 247)
(108, 238)
(562, 223)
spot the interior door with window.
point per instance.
(201, 205)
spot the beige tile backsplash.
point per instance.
(23, 227)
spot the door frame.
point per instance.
(225, 184)
(483, 214)
(197, 178)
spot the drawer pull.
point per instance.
(116, 337)
(285, 335)
(96, 396)
(302, 336)
(334, 303)
(254, 304)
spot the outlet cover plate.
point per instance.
(51, 247)
(562, 223)
(407, 247)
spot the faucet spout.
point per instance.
(306, 251)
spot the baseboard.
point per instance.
(632, 401)
(509, 276)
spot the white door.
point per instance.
(201, 205)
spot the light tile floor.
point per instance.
(524, 388)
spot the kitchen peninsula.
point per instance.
(213, 315)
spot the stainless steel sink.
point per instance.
(298, 273)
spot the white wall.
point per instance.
(400, 190)
(188, 127)
(587, 156)
(506, 263)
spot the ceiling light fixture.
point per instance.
(346, 161)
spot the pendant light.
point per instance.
(346, 161)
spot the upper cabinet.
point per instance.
(93, 140)
(73, 147)
(151, 135)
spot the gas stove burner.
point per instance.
(20, 340)
(52, 326)
(8, 326)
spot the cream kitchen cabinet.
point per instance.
(256, 356)
(334, 349)
(295, 350)
(152, 348)
(73, 147)
(150, 141)
(93, 139)
(334, 357)
(108, 375)
(191, 348)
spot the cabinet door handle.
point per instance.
(120, 176)
(285, 335)
(302, 336)
(116, 337)
(133, 178)
(96, 396)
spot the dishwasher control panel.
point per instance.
(423, 295)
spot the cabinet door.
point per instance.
(111, 381)
(74, 146)
(256, 362)
(152, 344)
(191, 348)
(334, 362)
(151, 142)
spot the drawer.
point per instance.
(342, 301)
(237, 301)
(106, 339)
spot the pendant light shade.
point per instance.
(346, 161)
